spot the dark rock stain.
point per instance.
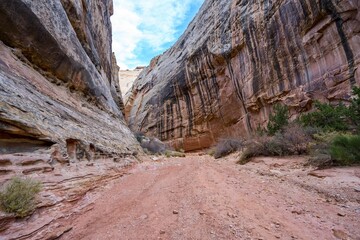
(330, 9)
(272, 39)
(239, 94)
(247, 27)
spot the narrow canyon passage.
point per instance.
(199, 198)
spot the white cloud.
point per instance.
(145, 23)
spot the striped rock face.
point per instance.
(59, 81)
(237, 58)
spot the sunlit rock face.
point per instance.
(59, 84)
(237, 59)
(127, 78)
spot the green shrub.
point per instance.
(227, 146)
(18, 196)
(319, 149)
(326, 137)
(278, 120)
(345, 149)
(327, 117)
(354, 109)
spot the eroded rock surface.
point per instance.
(127, 78)
(67, 190)
(238, 58)
(61, 119)
(59, 80)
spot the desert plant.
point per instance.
(354, 109)
(211, 151)
(319, 149)
(170, 153)
(278, 120)
(227, 146)
(345, 149)
(261, 146)
(18, 196)
(327, 117)
(293, 140)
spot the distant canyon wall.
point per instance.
(127, 78)
(237, 59)
(59, 84)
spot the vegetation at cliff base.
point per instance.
(18, 196)
(227, 146)
(278, 120)
(345, 149)
(335, 117)
(293, 140)
(330, 135)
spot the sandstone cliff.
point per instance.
(238, 58)
(127, 78)
(61, 118)
(59, 80)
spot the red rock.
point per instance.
(59, 80)
(236, 60)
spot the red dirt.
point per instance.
(198, 197)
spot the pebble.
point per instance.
(162, 232)
(231, 215)
(175, 212)
(341, 214)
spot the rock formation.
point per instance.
(127, 78)
(61, 119)
(59, 80)
(237, 58)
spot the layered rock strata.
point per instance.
(127, 78)
(238, 58)
(59, 81)
(61, 119)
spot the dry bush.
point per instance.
(292, 141)
(170, 153)
(227, 146)
(18, 196)
(260, 146)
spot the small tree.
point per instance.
(328, 117)
(278, 120)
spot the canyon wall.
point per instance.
(59, 86)
(237, 59)
(127, 78)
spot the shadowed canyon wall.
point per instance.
(59, 84)
(237, 58)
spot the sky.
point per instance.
(143, 29)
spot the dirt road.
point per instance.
(198, 197)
